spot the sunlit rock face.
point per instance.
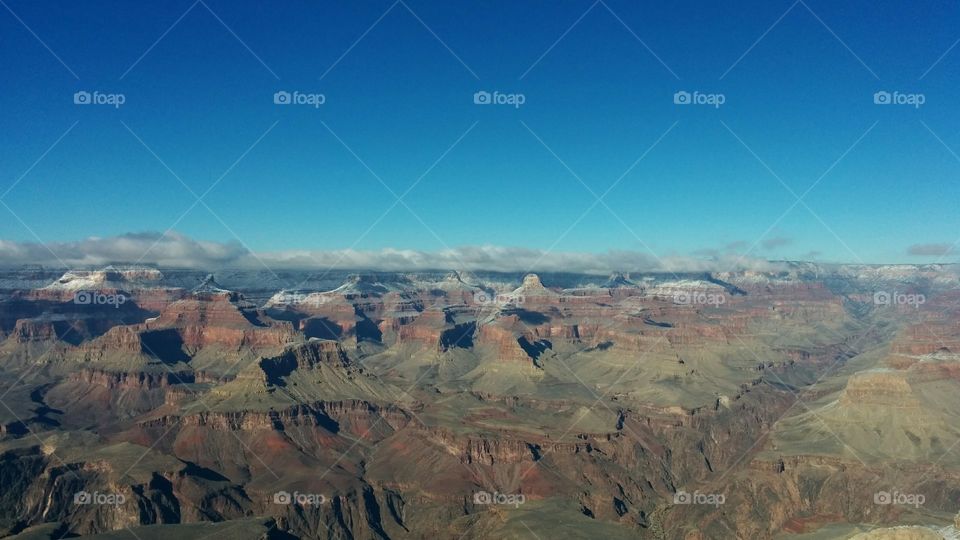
(452, 404)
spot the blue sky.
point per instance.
(399, 102)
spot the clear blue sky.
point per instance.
(799, 99)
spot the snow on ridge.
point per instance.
(107, 278)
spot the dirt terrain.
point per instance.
(812, 402)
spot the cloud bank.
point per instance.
(777, 241)
(930, 250)
(171, 250)
(174, 250)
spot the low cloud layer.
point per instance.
(172, 249)
(930, 250)
(175, 250)
(776, 241)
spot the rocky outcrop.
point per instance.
(887, 388)
(218, 319)
(596, 400)
(303, 357)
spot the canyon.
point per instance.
(814, 401)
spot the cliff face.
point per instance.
(217, 319)
(28, 330)
(407, 406)
(504, 339)
(93, 496)
(133, 381)
(424, 329)
(308, 356)
(887, 388)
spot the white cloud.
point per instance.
(930, 250)
(175, 250)
(776, 241)
(172, 249)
